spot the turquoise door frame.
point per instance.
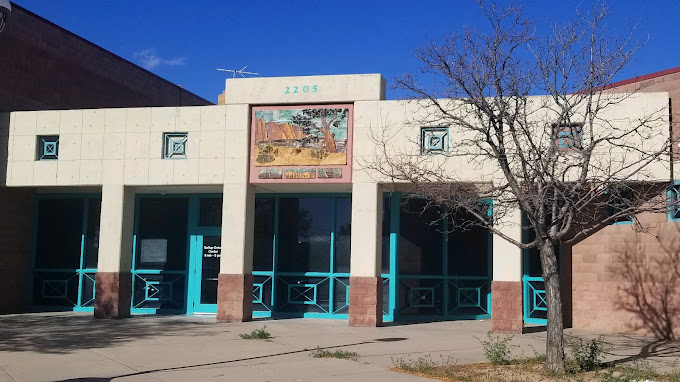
(265, 304)
(474, 286)
(82, 275)
(196, 253)
(185, 277)
(534, 303)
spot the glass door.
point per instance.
(206, 251)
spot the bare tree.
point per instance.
(565, 159)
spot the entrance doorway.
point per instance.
(176, 253)
(302, 255)
(205, 254)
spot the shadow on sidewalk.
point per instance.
(61, 333)
(631, 348)
(220, 363)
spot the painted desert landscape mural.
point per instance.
(301, 137)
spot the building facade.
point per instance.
(46, 67)
(263, 207)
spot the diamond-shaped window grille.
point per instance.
(434, 140)
(569, 136)
(175, 145)
(48, 147)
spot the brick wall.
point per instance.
(48, 67)
(16, 219)
(234, 297)
(365, 301)
(627, 281)
(506, 306)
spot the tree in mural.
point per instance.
(563, 160)
(327, 117)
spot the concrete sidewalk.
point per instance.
(72, 346)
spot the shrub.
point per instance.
(587, 355)
(257, 334)
(497, 349)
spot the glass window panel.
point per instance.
(343, 233)
(92, 245)
(468, 248)
(212, 251)
(162, 233)
(532, 257)
(305, 234)
(210, 212)
(59, 233)
(420, 239)
(386, 218)
(263, 247)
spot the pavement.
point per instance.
(76, 347)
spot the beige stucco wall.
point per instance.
(124, 146)
(305, 89)
(397, 124)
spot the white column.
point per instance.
(238, 214)
(114, 279)
(507, 257)
(366, 242)
(238, 209)
(116, 228)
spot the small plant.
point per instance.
(340, 354)
(587, 355)
(639, 371)
(257, 334)
(424, 364)
(497, 349)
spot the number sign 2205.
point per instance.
(301, 89)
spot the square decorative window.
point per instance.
(48, 147)
(569, 136)
(175, 145)
(434, 140)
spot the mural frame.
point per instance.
(328, 173)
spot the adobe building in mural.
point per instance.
(46, 67)
(261, 207)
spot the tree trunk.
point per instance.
(329, 141)
(554, 347)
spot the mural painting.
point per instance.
(301, 137)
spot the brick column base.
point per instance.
(234, 297)
(506, 306)
(365, 301)
(113, 291)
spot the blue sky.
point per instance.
(185, 41)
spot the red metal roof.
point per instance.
(644, 77)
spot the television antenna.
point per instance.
(240, 72)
